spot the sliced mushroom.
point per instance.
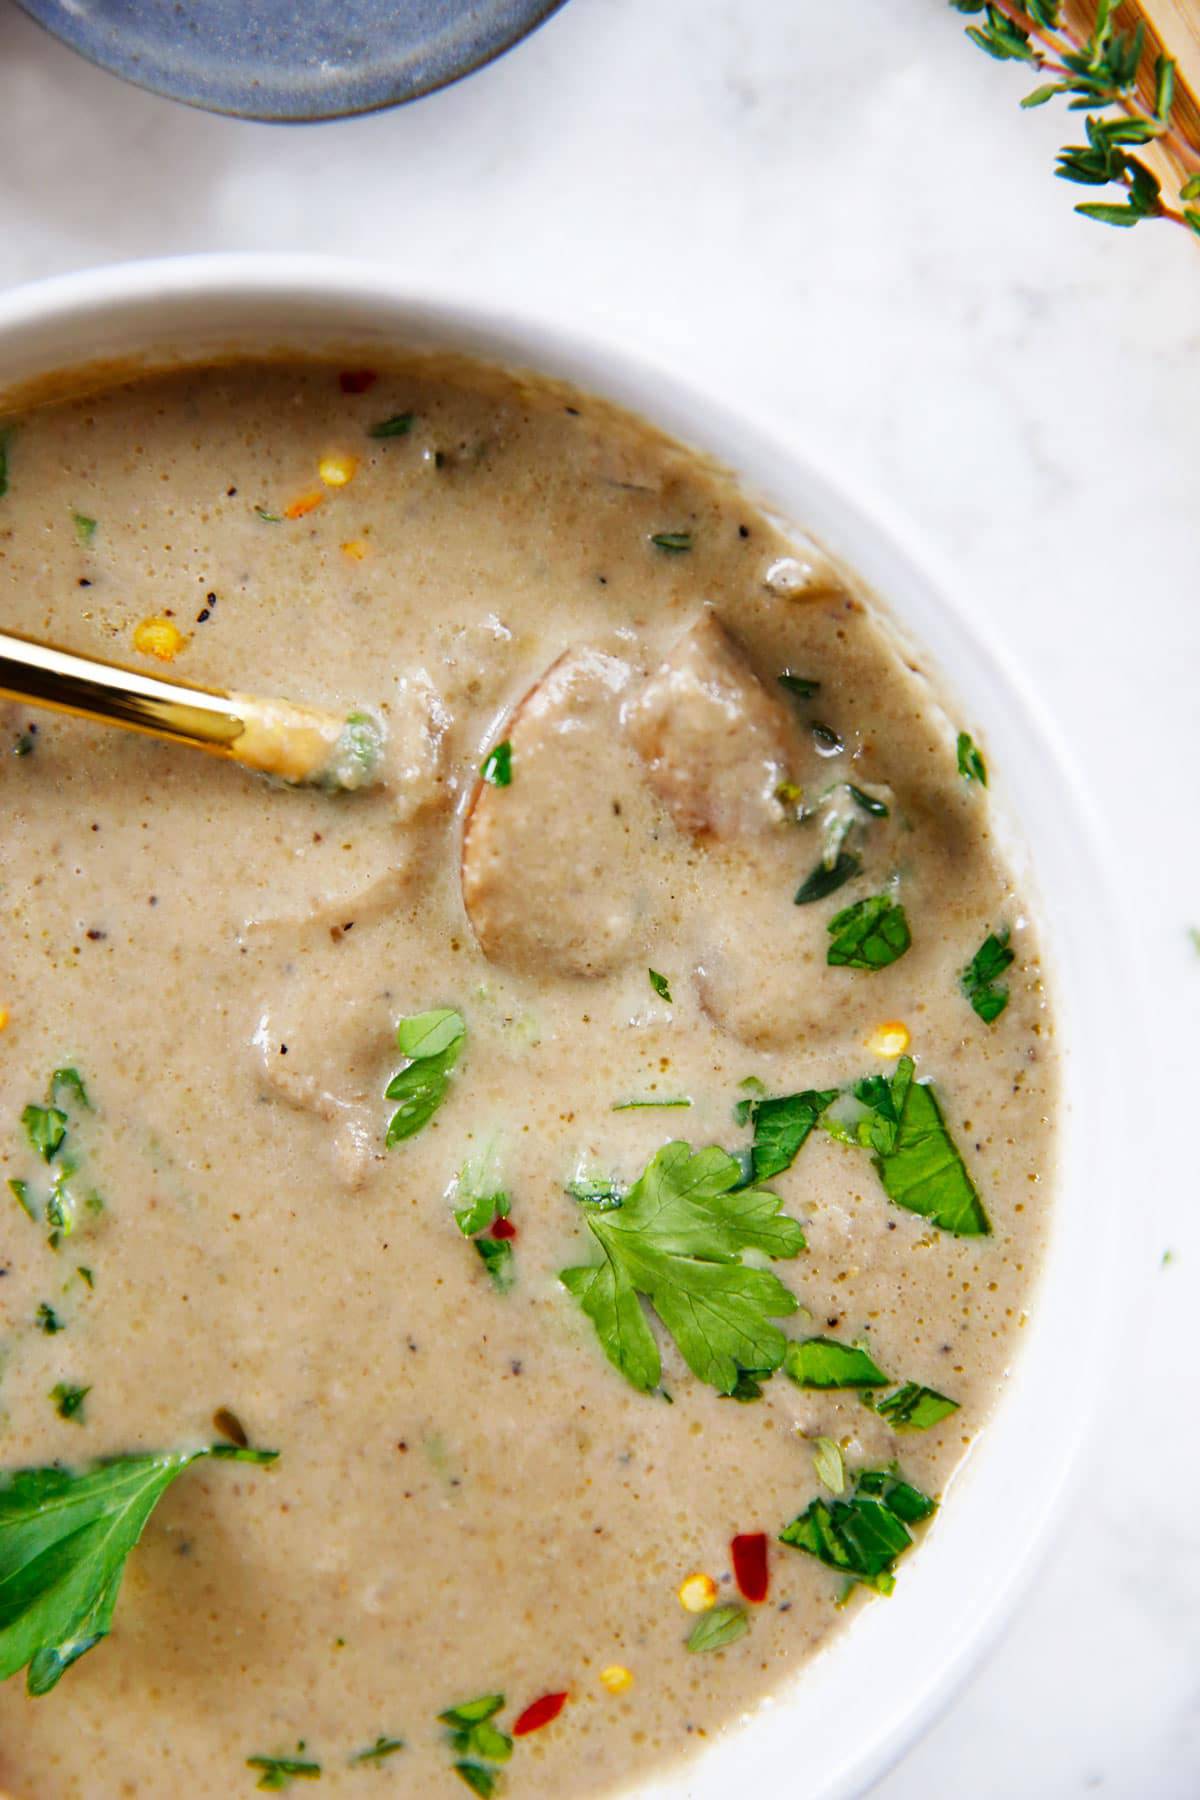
(715, 742)
(552, 863)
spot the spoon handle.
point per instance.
(300, 744)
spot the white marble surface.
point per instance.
(836, 212)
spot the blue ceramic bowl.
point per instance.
(286, 60)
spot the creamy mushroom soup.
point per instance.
(525, 1247)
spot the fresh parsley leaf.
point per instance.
(399, 425)
(915, 1408)
(48, 1319)
(979, 979)
(824, 880)
(878, 809)
(634, 1105)
(661, 985)
(675, 542)
(496, 1254)
(64, 1540)
(279, 1772)
(864, 1536)
(45, 1127)
(432, 1041)
(381, 1748)
(803, 686)
(677, 1239)
(68, 1401)
(497, 765)
(781, 1127)
(971, 765)
(870, 935)
(720, 1626)
(915, 1156)
(85, 528)
(823, 1362)
(829, 1464)
(72, 1081)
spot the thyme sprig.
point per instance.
(1099, 73)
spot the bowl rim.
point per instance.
(911, 1656)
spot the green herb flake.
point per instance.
(782, 1127)
(399, 425)
(803, 686)
(673, 542)
(497, 766)
(85, 528)
(971, 765)
(824, 880)
(915, 1408)
(85, 1275)
(829, 1465)
(45, 1127)
(634, 1105)
(269, 518)
(878, 809)
(20, 1193)
(864, 1536)
(871, 934)
(823, 1362)
(979, 980)
(24, 744)
(64, 1541)
(661, 985)
(382, 1748)
(826, 739)
(479, 1778)
(48, 1320)
(749, 1385)
(593, 1190)
(279, 1772)
(72, 1082)
(471, 1730)
(717, 1628)
(68, 1403)
(432, 1041)
(677, 1239)
(915, 1156)
(496, 1255)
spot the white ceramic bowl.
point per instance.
(850, 1713)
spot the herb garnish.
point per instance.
(64, 1540)
(822, 1362)
(721, 1626)
(915, 1156)
(803, 686)
(381, 1748)
(68, 1403)
(634, 1105)
(661, 985)
(829, 1464)
(399, 425)
(45, 1127)
(824, 881)
(85, 528)
(674, 542)
(472, 1735)
(497, 766)
(878, 809)
(979, 979)
(269, 518)
(863, 1536)
(870, 935)
(73, 1082)
(20, 1193)
(915, 1408)
(781, 1127)
(48, 1319)
(971, 765)
(432, 1041)
(677, 1238)
(279, 1772)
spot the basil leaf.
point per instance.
(915, 1408)
(823, 1362)
(715, 1629)
(971, 765)
(980, 977)
(870, 935)
(781, 1127)
(824, 881)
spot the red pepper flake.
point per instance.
(541, 1712)
(749, 1554)
(357, 381)
(503, 1228)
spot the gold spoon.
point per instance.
(298, 744)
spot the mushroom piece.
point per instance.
(553, 861)
(715, 742)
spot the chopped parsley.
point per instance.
(661, 985)
(45, 1127)
(269, 518)
(822, 1362)
(633, 1105)
(48, 1319)
(496, 1255)
(825, 879)
(497, 766)
(85, 528)
(279, 1772)
(399, 425)
(915, 1408)
(432, 1041)
(674, 542)
(20, 1193)
(64, 1541)
(381, 1748)
(68, 1403)
(677, 1239)
(749, 1385)
(868, 935)
(781, 1127)
(803, 686)
(718, 1627)
(915, 1156)
(596, 1190)
(72, 1081)
(980, 979)
(477, 1741)
(829, 1464)
(971, 765)
(862, 1537)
